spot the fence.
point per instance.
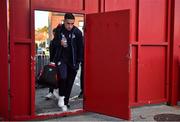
(41, 60)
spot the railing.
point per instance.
(41, 60)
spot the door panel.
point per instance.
(21, 95)
(21, 55)
(106, 64)
(152, 21)
(152, 67)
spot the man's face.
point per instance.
(69, 23)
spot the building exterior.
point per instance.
(154, 43)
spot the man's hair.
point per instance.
(69, 16)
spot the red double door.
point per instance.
(106, 66)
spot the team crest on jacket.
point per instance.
(73, 36)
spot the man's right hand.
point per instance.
(64, 43)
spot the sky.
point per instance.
(41, 19)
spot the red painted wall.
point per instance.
(3, 61)
(150, 43)
(152, 21)
(152, 64)
(148, 36)
(92, 6)
(176, 55)
(59, 4)
(21, 50)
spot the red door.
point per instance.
(107, 64)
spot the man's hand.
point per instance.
(64, 43)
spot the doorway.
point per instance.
(45, 22)
(97, 69)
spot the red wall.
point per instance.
(153, 48)
(58, 5)
(21, 72)
(149, 21)
(175, 59)
(151, 28)
(3, 61)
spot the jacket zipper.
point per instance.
(72, 49)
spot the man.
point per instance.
(69, 42)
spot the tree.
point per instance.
(41, 34)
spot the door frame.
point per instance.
(47, 115)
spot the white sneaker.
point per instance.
(64, 108)
(49, 95)
(61, 101)
(55, 93)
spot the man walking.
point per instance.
(69, 42)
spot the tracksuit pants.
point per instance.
(67, 76)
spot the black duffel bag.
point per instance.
(48, 76)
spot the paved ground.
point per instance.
(145, 113)
(148, 112)
(45, 106)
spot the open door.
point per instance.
(107, 63)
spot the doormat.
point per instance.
(167, 117)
